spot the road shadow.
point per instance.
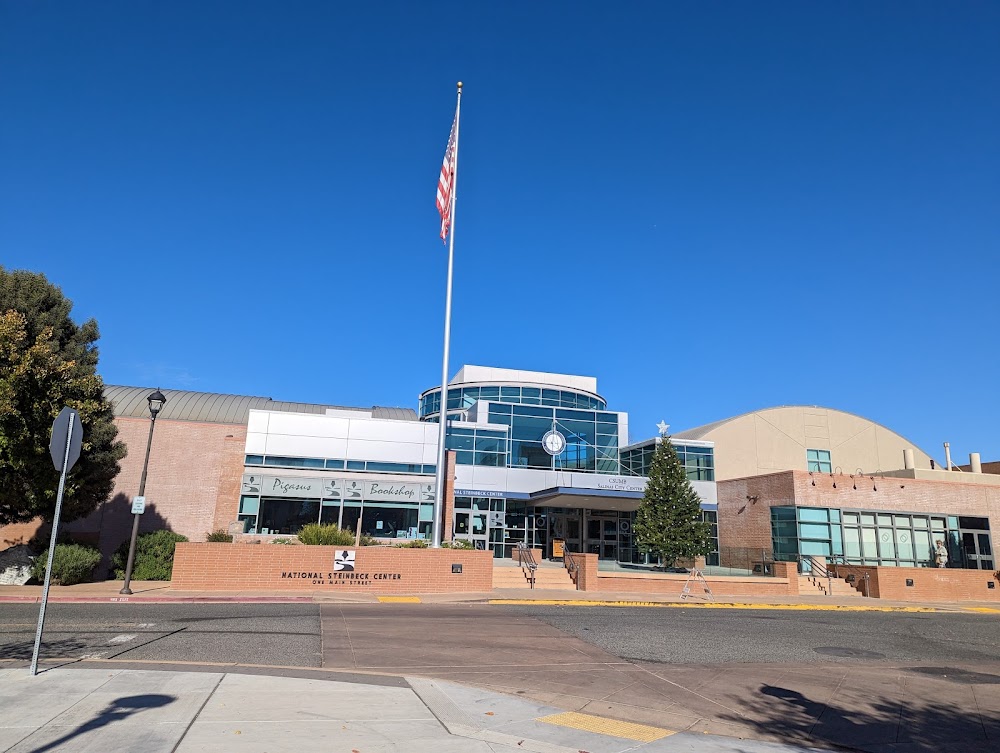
(911, 722)
(118, 710)
(59, 649)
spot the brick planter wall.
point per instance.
(929, 583)
(381, 570)
(589, 578)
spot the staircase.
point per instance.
(811, 585)
(548, 576)
(821, 581)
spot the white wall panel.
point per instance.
(384, 430)
(392, 452)
(257, 421)
(256, 442)
(306, 447)
(303, 424)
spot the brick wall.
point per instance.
(192, 486)
(929, 583)
(589, 578)
(383, 570)
(747, 522)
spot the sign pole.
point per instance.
(52, 542)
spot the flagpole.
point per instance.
(443, 412)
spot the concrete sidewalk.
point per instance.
(154, 592)
(99, 710)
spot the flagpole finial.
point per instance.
(459, 84)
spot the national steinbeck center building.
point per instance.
(540, 459)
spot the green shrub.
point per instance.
(325, 535)
(367, 540)
(72, 563)
(219, 536)
(458, 544)
(413, 544)
(154, 556)
(283, 541)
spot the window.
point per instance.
(819, 461)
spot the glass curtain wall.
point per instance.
(591, 437)
(462, 398)
(698, 462)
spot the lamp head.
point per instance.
(156, 402)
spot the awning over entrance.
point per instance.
(593, 499)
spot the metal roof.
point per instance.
(212, 407)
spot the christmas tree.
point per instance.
(668, 522)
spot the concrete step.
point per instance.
(554, 578)
(810, 584)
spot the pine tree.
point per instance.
(47, 362)
(668, 522)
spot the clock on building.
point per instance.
(553, 442)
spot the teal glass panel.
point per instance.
(852, 542)
(886, 545)
(814, 531)
(814, 514)
(815, 548)
(249, 505)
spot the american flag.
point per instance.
(446, 182)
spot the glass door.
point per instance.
(602, 534)
(566, 526)
(977, 548)
(472, 526)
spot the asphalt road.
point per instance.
(723, 636)
(271, 634)
(383, 635)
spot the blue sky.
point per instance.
(712, 207)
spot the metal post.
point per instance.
(52, 551)
(135, 523)
(443, 413)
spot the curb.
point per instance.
(161, 599)
(711, 605)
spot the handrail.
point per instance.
(526, 559)
(820, 569)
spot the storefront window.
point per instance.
(287, 516)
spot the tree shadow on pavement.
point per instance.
(909, 723)
(65, 648)
(118, 710)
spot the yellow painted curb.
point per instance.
(642, 733)
(709, 605)
(399, 599)
(985, 610)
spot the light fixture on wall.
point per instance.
(752, 499)
(813, 479)
(839, 470)
(855, 476)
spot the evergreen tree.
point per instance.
(47, 361)
(668, 522)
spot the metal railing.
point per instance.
(526, 559)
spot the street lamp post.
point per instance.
(156, 402)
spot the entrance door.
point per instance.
(977, 549)
(472, 526)
(566, 526)
(602, 533)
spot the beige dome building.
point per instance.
(806, 438)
